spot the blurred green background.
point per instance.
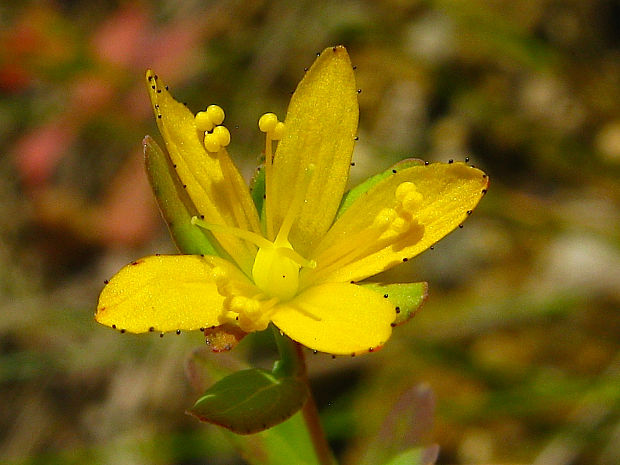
(519, 339)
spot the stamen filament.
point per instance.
(249, 236)
(268, 186)
(296, 257)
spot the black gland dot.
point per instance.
(385, 296)
(450, 160)
(333, 357)
(461, 226)
(178, 331)
(484, 191)
(426, 163)
(113, 326)
(202, 330)
(105, 281)
(393, 325)
(167, 88)
(122, 331)
(466, 159)
(394, 171)
(151, 329)
(370, 349)
(359, 91)
(405, 259)
(355, 67)
(397, 309)
(161, 334)
(159, 91)
(153, 87)
(432, 247)
(315, 351)
(352, 163)
(469, 212)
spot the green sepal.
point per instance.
(175, 205)
(250, 401)
(257, 187)
(416, 456)
(406, 297)
(357, 191)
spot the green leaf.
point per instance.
(417, 456)
(356, 192)
(407, 297)
(250, 401)
(286, 443)
(175, 205)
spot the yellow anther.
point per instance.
(222, 134)
(241, 304)
(412, 201)
(267, 122)
(403, 189)
(218, 275)
(278, 131)
(212, 143)
(216, 114)
(400, 225)
(203, 122)
(384, 218)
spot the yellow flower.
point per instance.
(296, 264)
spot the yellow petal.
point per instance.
(212, 180)
(320, 128)
(348, 252)
(165, 293)
(337, 318)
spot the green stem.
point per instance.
(292, 363)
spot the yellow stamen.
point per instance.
(389, 225)
(222, 134)
(273, 129)
(216, 114)
(209, 122)
(249, 236)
